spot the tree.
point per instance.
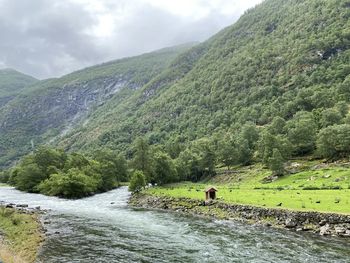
(302, 131)
(334, 141)
(27, 177)
(75, 160)
(227, 151)
(269, 142)
(250, 133)
(5, 176)
(122, 168)
(187, 166)
(164, 169)
(137, 181)
(174, 146)
(276, 163)
(142, 158)
(330, 117)
(244, 152)
(111, 167)
(277, 126)
(46, 157)
(205, 156)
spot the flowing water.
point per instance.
(103, 228)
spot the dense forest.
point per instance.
(271, 87)
(283, 68)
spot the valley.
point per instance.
(119, 154)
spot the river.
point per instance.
(103, 228)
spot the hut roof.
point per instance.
(210, 188)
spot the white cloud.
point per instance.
(51, 38)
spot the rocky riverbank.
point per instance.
(21, 232)
(320, 223)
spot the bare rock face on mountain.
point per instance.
(48, 109)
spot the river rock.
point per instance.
(325, 230)
(22, 205)
(340, 230)
(322, 222)
(290, 223)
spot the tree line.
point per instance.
(72, 175)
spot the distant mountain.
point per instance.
(52, 107)
(12, 82)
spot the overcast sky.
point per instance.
(49, 38)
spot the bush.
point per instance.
(137, 182)
(73, 184)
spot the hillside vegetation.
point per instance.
(12, 83)
(276, 79)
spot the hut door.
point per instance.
(212, 195)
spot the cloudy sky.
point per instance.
(49, 38)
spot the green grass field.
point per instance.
(22, 236)
(324, 190)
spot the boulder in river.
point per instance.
(325, 230)
(340, 230)
(22, 205)
(290, 223)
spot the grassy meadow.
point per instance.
(314, 188)
(20, 236)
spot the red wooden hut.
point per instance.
(210, 193)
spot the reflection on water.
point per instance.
(103, 229)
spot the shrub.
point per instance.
(73, 184)
(137, 182)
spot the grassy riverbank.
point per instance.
(314, 187)
(20, 236)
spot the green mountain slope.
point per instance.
(282, 70)
(283, 58)
(11, 83)
(52, 107)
